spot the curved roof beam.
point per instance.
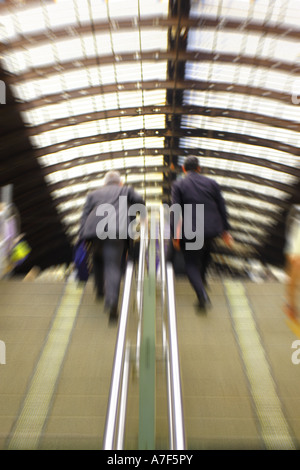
(177, 151)
(154, 56)
(121, 135)
(195, 85)
(168, 110)
(71, 31)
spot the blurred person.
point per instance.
(195, 189)
(105, 223)
(292, 253)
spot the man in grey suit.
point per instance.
(105, 222)
(192, 190)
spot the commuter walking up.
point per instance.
(192, 190)
(105, 224)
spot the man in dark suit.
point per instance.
(105, 222)
(193, 190)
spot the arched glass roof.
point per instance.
(138, 85)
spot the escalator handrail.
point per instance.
(176, 393)
(116, 378)
(140, 287)
(120, 365)
(176, 418)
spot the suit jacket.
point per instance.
(195, 188)
(96, 220)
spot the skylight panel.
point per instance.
(7, 30)
(233, 42)
(292, 13)
(120, 9)
(125, 123)
(91, 128)
(231, 8)
(16, 62)
(242, 102)
(33, 89)
(74, 189)
(131, 178)
(36, 56)
(30, 20)
(247, 227)
(248, 185)
(87, 46)
(100, 166)
(149, 177)
(153, 191)
(125, 41)
(154, 39)
(152, 8)
(242, 127)
(71, 49)
(250, 169)
(59, 13)
(241, 149)
(74, 203)
(256, 203)
(244, 9)
(239, 74)
(98, 148)
(79, 79)
(250, 216)
(247, 238)
(154, 70)
(72, 218)
(72, 230)
(157, 121)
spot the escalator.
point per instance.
(152, 417)
(167, 377)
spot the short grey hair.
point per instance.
(112, 177)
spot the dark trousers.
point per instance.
(108, 256)
(196, 265)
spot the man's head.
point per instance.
(112, 177)
(191, 163)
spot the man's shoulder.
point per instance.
(179, 182)
(186, 180)
(94, 193)
(105, 191)
(208, 180)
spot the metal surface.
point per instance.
(176, 393)
(116, 378)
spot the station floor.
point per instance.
(238, 361)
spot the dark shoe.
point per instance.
(201, 306)
(203, 303)
(113, 314)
